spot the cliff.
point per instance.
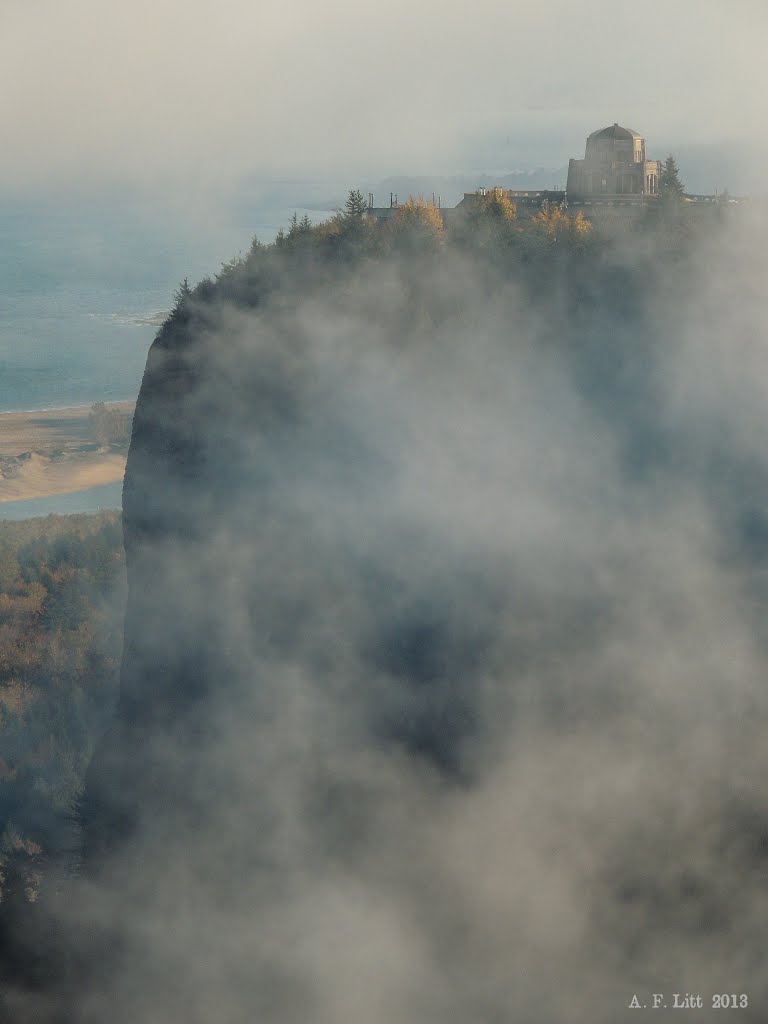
(438, 576)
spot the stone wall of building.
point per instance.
(614, 164)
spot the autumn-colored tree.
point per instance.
(494, 206)
(579, 227)
(59, 665)
(417, 224)
(550, 220)
(489, 220)
(556, 223)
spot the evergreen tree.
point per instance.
(350, 228)
(182, 294)
(355, 207)
(671, 188)
(181, 297)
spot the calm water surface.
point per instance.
(79, 276)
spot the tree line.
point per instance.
(62, 594)
(491, 231)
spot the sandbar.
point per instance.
(52, 451)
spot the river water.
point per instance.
(84, 281)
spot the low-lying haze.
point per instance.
(180, 96)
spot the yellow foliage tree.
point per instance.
(550, 220)
(495, 205)
(555, 223)
(418, 221)
(580, 227)
(488, 220)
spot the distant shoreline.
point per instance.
(80, 408)
(47, 452)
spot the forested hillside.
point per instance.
(62, 594)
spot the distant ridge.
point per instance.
(449, 186)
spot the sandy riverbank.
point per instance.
(48, 430)
(51, 452)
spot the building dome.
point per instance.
(615, 144)
(615, 132)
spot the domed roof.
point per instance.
(615, 131)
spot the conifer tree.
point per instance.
(184, 291)
(671, 189)
(351, 225)
(355, 207)
(181, 296)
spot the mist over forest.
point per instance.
(442, 692)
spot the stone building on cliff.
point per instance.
(614, 168)
(615, 184)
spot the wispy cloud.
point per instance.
(473, 606)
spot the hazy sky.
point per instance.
(199, 90)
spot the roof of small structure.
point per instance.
(615, 131)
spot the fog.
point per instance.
(193, 96)
(443, 696)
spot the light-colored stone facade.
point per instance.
(614, 167)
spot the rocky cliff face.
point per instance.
(425, 578)
(267, 550)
